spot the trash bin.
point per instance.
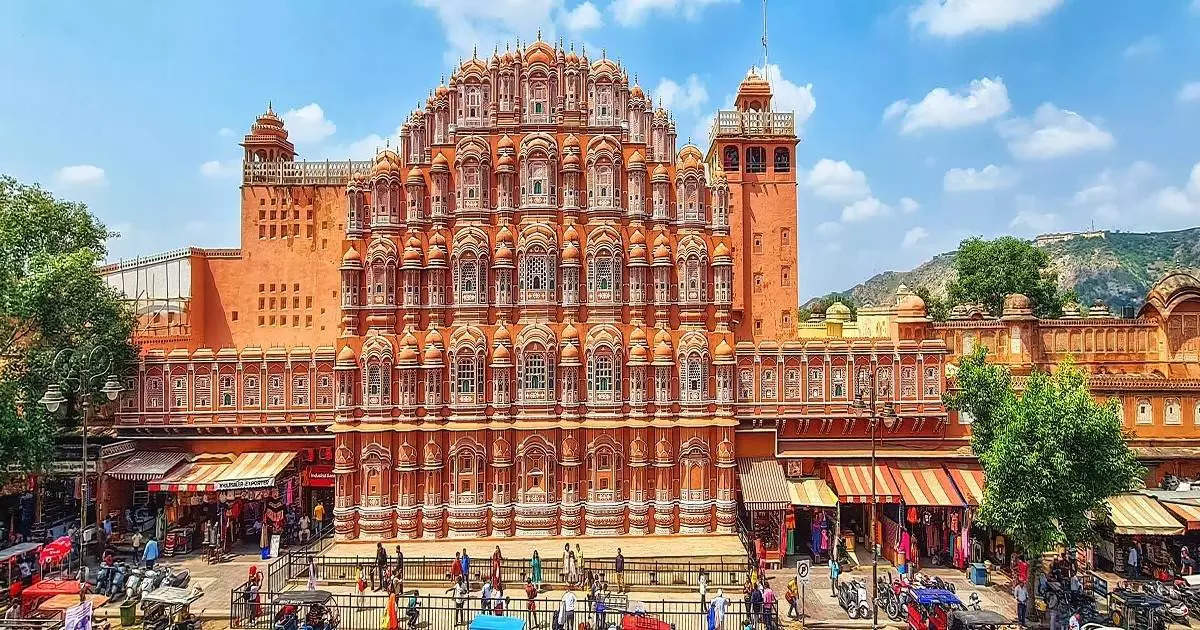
(977, 574)
(128, 614)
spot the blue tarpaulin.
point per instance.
(496, 622)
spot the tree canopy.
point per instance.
(987, 271)
(51, 298)
(1051, 454)
(818, 305)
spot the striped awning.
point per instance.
(197, 476)
(146, 465)
(764, 487)
(969, 480)
(1189, 512)
(926, 484)
(255, 470)
(813, 493)
(1138, 514)
(853, 483)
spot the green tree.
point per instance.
(818, 305)
(50, 298)
(937, 308)
(1051, 454)
(987, 271)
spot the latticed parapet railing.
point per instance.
(293, 173)
(737, 123)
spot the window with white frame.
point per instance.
(408, 387)
(746, 384)
(470, 279)
(768, 386)
(604, 373)
(816, 383)
(252, 393)
(862, 382)
(662, 384)
(932, 382)
(179, 392)
(433, 387)
(203, 394)
(694, 377)
(691, 288)
(324, 391)
(883, 382)
(1144, 411)
(908, 382)
(1172, 411)
(300, 390)
(537, 276)
(604, 277)
(537, 374)
(374, 384)
(468, 378)
(227, 389)
(837, 382)
(722, 288)
(791, 383)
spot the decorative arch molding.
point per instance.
(604, 335)
(691, 245)
(469, 338)
(536, 333)
(466, 445)
(376, 452)
(470, 239)
(537, 443)
(377, 347)
(472, 148)
(537, 234)
(604, 237)
(605, 441)
(382, 248)
(539, 143)
(694, 448)
(693, 341)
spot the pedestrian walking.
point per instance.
(381, 562)
(466, 567)
(312, 573)
(768, 606)
(1021, 594)
(398, 573)
(600, 610)
(459, 592)
(719, 605)
(619, 569)
(566, 612)
(150, 555)
(702, 586)
(579, 558)
(835, 571)
(497, 563)
(485, 596)
(565, 571)
(1131, 564)
(456, 568)
(535, 569)
(792, 596)
(756, 605)
(531, 601)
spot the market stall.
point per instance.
(766, 497)
(1141, 521)
(815, 516)
(933, 516)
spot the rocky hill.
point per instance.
(1115, 267)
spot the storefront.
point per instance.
(813, 522)
(1141, 521)
(855, 487)
(129, 504)
(933, 516)
(768, 501)
(248, 499)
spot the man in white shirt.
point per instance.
(1131, 565)
(566, 611)
(1022, 596)
(305, 534)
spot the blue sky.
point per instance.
(924, 121)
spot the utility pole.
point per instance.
(764, 39)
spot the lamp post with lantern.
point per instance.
(75, 382)
(869, 408)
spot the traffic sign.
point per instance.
(803, 571)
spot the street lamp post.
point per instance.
(74, 384)
(874, 415)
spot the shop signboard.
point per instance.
(318, 476)
(245, 484)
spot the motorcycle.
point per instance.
(853, 598)
(133, 582)
(117, 582)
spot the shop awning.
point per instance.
(926, 484)
(764, 487)
(146, 465)
(853, 483)
(1138, 514)
(813, 493)
(1188, 512)
(197, 476)
(969, 480)
(258, 470)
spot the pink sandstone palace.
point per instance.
(538, 317)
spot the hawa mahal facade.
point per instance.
(535, 316)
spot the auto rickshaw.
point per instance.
(930, 608)
(306, 610)
(170, 607)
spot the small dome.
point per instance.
(570, 351)
(415, 177)
(569, 332)
(636, 160)
(570, 252)
(1016, 301)
(571, 234)
(505, 142)
(837, 312)
(441, 90)
(440, 163)
(504, 235)
(636, 92)
(637, 335)
(432, 356)
(501, 354)
(662, 336)
(720, 250)
(639, 353)
(910, 305)
(502, 334)
(346, 354)
(351, 256)
(570, 141)
(433, 337)
(723, 351)
(690, 156)
(408, 354)
(412, 253)
(661, 252)
(438, 239)
(503, 254)
(637, 253)
(539, 52)
(437, 255)
(637, 238)
(572, 159)
(572, 57)
(505, 161)
(661, 239)
(660, 173)
(662, 351)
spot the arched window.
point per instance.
(374, 384)
(932, 382)
(692, 276)
(694, 479)
(756, 160)
(602, 191)
(470, 279)
(729, 159)
(226, 390)
(908, 382)
(693, 376)
(536, 482)
(746, 384)
(537, 275)
(837, 382)
(468, 378)
(1172, 411)
(539, 101)
(300, 390)
(791, 383)
(1144, 411)
(883, 382)
(473, 101)
(768, 386)
(536, 374)
(816, 382)
(783, 160)
(251, 387)
(604, 277)
(605, 480)
(468, 473)
(604, 375)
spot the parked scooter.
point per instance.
(117, 582)
(133, 582)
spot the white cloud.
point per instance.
(225, 132)
(1053, 133)
(1190, 92)
(863, 209)
(702, 130)
(308, 124)
(1144, 47)
(1034, 221)
(990, 177)
(362, 149)
(216, 169)
(915, 235)
(952, 18)
(983, 100)
(829, 229)
(635, 12)
(791, 97)
(468, 24)
(1115, 185)
(836, 181)
(908, 205)
(583, 17)
(1181, 202)
(81, 175)
(688, 97)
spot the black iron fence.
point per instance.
(281, 570)
(426, 570)
(261, 611)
